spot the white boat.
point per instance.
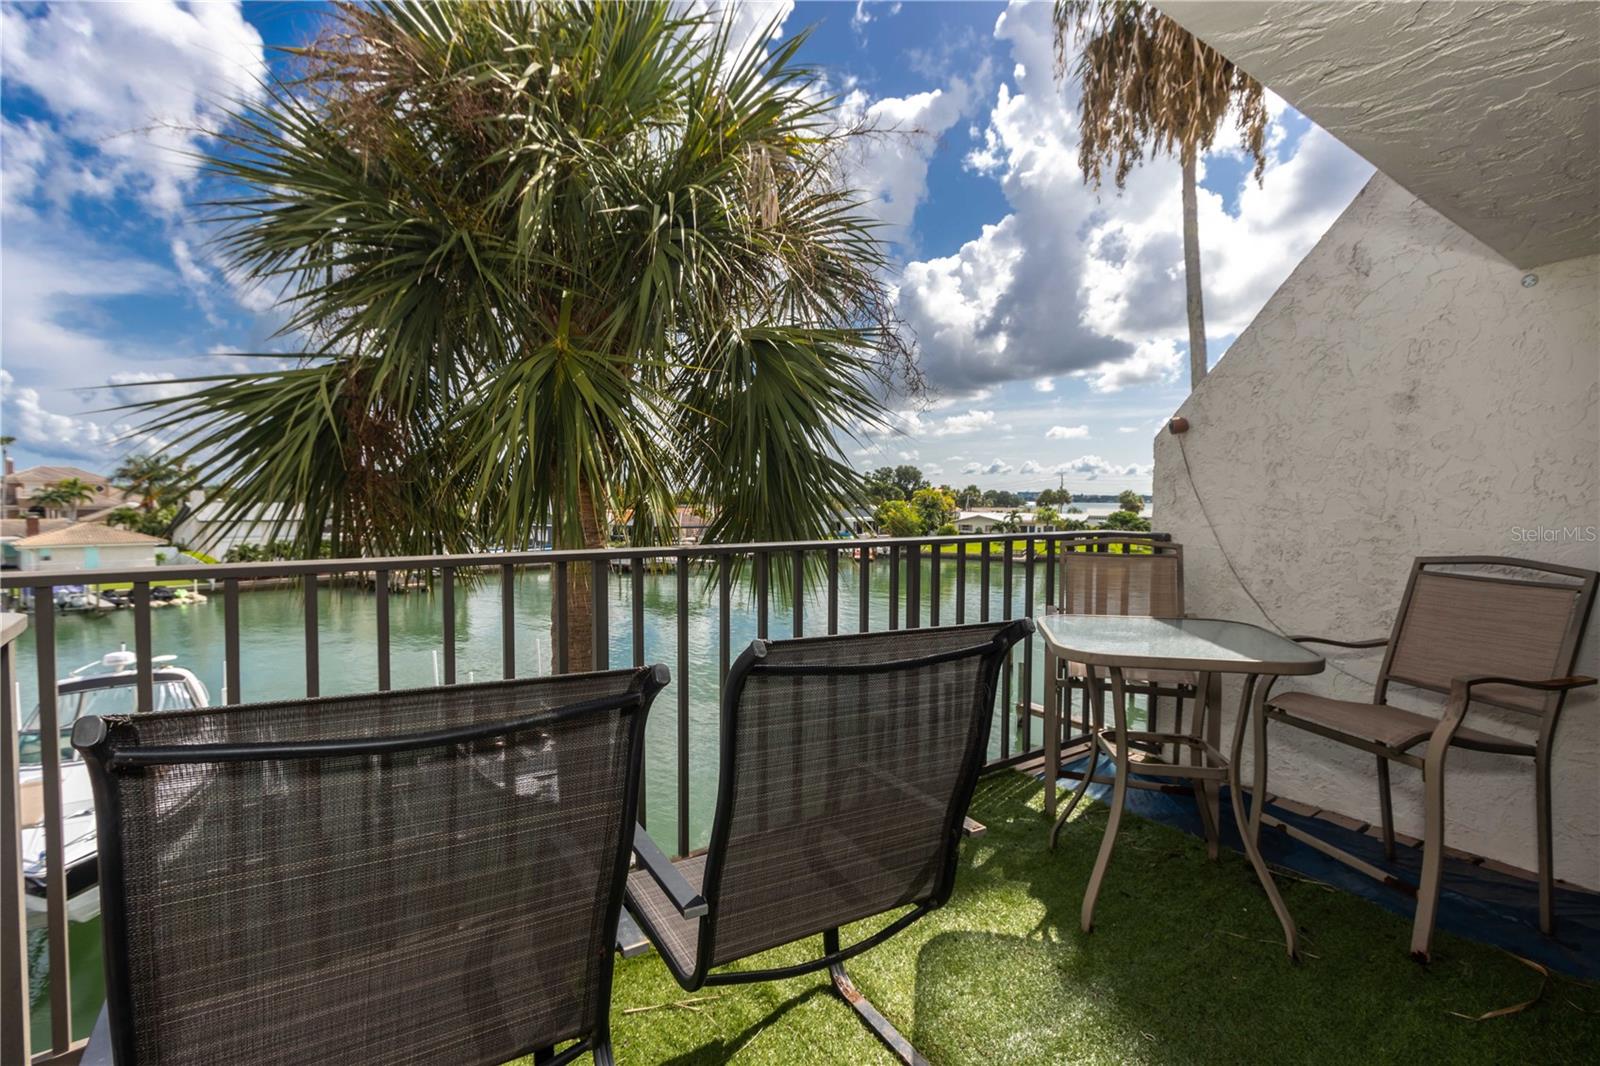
(103, 687)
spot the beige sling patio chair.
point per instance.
(847, 765)
(417, 876)
(1128, 576)
(1483, 631)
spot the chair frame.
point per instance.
(1431, 760)
(113, 1039)
(1060, 685)
(703, 904)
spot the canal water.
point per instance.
(272, 666)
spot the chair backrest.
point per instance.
(1131, 576)
(415, 876)
(847, 766)
(1467, 616)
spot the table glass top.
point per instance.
(1175, 644)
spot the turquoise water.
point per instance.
(272, 666)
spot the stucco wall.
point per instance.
(1403, 393)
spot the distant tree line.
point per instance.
(907, 505)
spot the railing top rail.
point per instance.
(305, 567)
(11, 627)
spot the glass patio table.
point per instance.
(1207, 647)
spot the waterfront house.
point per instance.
(206, 526)
(14, 529)
(22, 485)
(86, 546)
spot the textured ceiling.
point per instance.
(1488, 111)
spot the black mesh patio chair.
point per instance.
(422, 876)
(847, 764)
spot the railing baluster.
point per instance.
(600, 596)
(724, 622)
(797, 621)
(1027, 649)
(231, 670)
(983, 579)
(636, 638)
(1050, 571)
(313, 667)
(636, 609)
(763, 569)
(935, 593)
(913, 586)
(143, 653)
(559, 606)
(447, 605)
(961, 583)
(15, 1042)
(44, 621)
(863, 589)
(894, 587)
(381, 587)
(508, 622)
(833, 591)
(1005, 674)
(683, 705)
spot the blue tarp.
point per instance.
(1474, 902)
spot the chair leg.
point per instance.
(1385, 808)
(864, 1009)
(1091, 699)
(1547, 892)
(544, 1054)
(602, 1054)
(1432, 855)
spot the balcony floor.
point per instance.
(1185, 965)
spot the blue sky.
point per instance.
(1049, 319)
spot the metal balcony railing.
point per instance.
(1012, 573)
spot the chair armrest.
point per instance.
(679, 892)
(1377, 643)
(1554, 684)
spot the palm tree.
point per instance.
(156, 479)
(1147, 83)
(560, 261)
(66, 495)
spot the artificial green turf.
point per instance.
(1186, 964)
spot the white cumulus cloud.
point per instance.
(1067, 432)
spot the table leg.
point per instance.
(1092, 698)
(1252, 709)
(1207, 799)
(1052, 733)
(1119, 793)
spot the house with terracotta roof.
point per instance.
(15, 529)
(22, 485)
(86, 546)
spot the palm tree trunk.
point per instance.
(579, 623)
(1191, 275)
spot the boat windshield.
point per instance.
(171, 695)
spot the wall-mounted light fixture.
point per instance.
(1529, 280)
(1179, 424)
